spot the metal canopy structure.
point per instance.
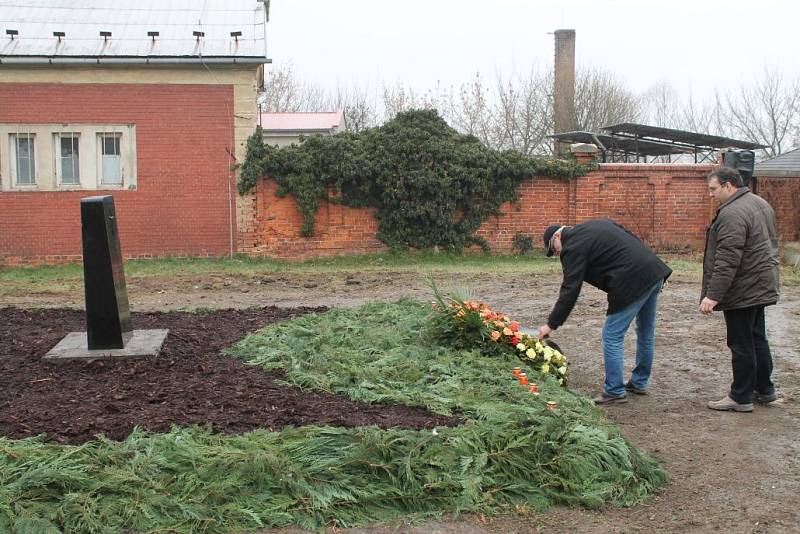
(697, 143)
(620, 147)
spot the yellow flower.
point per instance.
(562, 370)
(545, 368)
(530, 353)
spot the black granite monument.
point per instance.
(108, 318)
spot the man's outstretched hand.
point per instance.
(544, 331)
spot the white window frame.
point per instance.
(106, 160)
(58, 138)
(48, 173)
(13, 139)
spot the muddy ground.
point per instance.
(728, 472)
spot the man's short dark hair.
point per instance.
(726, 174)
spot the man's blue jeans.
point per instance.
(614, 329)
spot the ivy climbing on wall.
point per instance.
(430, 185)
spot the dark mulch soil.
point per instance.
(189, 383)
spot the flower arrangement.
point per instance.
(469, 323)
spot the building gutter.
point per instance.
(187, 60)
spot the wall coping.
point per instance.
(658, 166)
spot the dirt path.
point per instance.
(728, 472)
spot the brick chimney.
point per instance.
(564, 86)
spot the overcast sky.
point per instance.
(694, 45)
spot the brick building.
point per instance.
(152, 106)
(778, 181)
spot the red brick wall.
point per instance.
(181, 205)
(338, 229)
(784, 196)
(667, 205)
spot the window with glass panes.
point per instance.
(25, 159)
(111, 158)
(69, 158)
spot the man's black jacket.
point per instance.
(604, 254)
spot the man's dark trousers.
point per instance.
(751, 357)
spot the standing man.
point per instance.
(740, 278)
(609, 257)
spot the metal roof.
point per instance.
(622, 144)
(189, 31)
(787, 164)
(693, 139)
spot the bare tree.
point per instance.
(764, 111)
(661, 105)
(359, 109)
(470, 111)
(523, 111)
(283, 92)
(516, 112)
(602, 99)
(401, 97)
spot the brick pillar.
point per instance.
(247, 221)
(585, 153)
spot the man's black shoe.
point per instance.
(762, 398)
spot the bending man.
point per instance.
(606, 255)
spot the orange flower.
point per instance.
(495, 335)
(514, 326)
(507, 331)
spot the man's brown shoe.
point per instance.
(727, 404)
(604, 398)
(630, 387)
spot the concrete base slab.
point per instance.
(75, 347)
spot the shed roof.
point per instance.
(622, 144)
(308, 122)
(188, 31)
(685, 137)
(787, 164)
